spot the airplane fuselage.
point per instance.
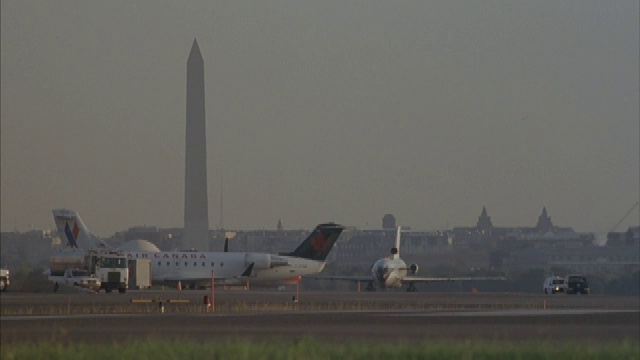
(227, 267)
(197, 268)
(388, 272)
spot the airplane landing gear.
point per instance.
(370, 287)
(411, 288)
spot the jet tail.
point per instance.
(71, 227)
(395, 252)
(319, 243)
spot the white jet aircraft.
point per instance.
(391, 272)
(194, 268)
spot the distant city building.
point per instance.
(149, 233)
(630, 237)
(544, 222)
(484, 224)
(32, 248)
(485, 235)
(361, 247)
(617, 260)
(483, 246)
(270, 241)
(389, 221)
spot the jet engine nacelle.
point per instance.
(413, 269)
(260, 261)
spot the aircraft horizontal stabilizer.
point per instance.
(341, 278)
(411, 279)
(247, 271)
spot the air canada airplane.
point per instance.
(194, 268)
(391, 272)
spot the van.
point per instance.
(553, 284)
(576, 284)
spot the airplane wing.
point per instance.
(416, 279)
(342, 278)
(411, 279)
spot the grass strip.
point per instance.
(308, 348)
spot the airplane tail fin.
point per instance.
(319, 243)
(71, 227)
(395, 252)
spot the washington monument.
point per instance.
(196, 214)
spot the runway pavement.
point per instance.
(391, 317)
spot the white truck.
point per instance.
(112, 270)
(4, 279)
(77, 278)
(93, 269)
(553, 284)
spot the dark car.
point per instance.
(576, 284)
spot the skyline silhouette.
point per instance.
(324, 111)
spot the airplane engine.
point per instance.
(260, 261)
(413, 269)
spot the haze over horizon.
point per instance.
(323, 111)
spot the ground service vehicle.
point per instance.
(576, 284)
(107, 268)
(4, 279)
(77, 278)
(139, 274)
(553, 284)
(112, 270)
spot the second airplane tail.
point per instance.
(71, 228)
(319, 243)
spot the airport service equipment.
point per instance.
(77, 278)
(576, 284)
(139, 274)
(107, 267)
(4, 279)
(553, 284)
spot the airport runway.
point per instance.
(393, 317)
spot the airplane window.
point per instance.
(212, 263)
(221, 264)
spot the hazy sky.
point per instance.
(323, 111)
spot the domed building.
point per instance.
(138, 246)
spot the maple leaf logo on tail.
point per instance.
(319, 242)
